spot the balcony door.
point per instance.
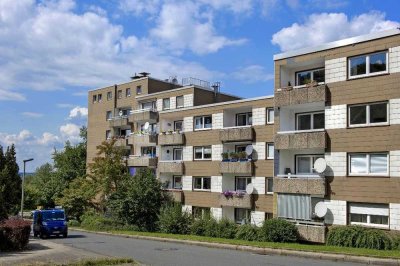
(305, 163)
(178, 154)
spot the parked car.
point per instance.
(50, 222)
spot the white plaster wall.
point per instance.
(394, 215)
(187, 182)
(216, 184)
(259, 184)
(165, 155)
(187, 208)
(228, 182)
(216, 213)
(287, 158)
(257, 218)
(188, 153)
(394, 111)
(335, 70)
(394, 163)
(172, 103)
(336, 212)
(335, 116)
(336, 164)
(188, 100)
(259, 150)
(159, 105)
(216, 152)
(259, 116)
(394, 59)
(217, 121)
(188, 124)
(287, 114)
(228, 212)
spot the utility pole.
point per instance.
(22, 194)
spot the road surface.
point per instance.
(160, 253)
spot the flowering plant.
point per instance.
(233, 193)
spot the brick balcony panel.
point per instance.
(308, 94)
(142, 140)
(245, 168)
(118, 122)
(300, 140)
(300, 185)
(143, 116)
(175, 194)
(244, 201)
(170, 167)
(236, 134)
(171, 139)
(142, 161)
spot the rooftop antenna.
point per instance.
(135, 76)
(144, 74)
(216, 86)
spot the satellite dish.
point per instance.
(120, 113)
(320, 165)
(321, 209)
(146, 126)
(250, 189)
(249, 150)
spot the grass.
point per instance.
(395, 254)
(91, 262)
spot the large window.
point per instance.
(241, 183)
(201, 183)
(305, 77)
(308, 121)
(202, 153)
(368, 164)
(244, 119)
(376, 215)
(166, 104)
(368, 114)
(270, 150)
(202, 122)
(177, 182)
(366, 65)
(148, 105)
(178, 154)
(270, 115)
(200, 212)
(149, 151)
(305, 163)
(242, 216)
(179, 101)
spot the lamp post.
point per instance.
(22, 194)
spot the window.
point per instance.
(245, 119)
(241, 183)
(178, 125)
(99, 97)
(368, 164)
(270, 151)
(200, 212)
(178, 155)
(376, 215)
(305, 163)
(108, 115)
(149, 151)
(201, 183)
(166, 104)
(152, 128)
(270, 185)
(108, 134)
(202, 122)
(268, 216)
(179, 101)
(202, 153)
(177, 182)
(94, 98)
(128, 92)
(148, 105)
(305, 77)
(240, 148)
(270, 115)
(367, 65)
(309, 121)
(139, 90)
(294, 206)
(242, 216)
(124, 112)
(368, 114)
(109, 95)
(119, 94)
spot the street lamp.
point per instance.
(22, 194)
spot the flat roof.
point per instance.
(340, 43)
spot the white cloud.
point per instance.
(11, 96)
(70, 132)
(32, 114)
(236, 6)
(252, 74)
(140, 7)
(327, 27)
(48, 138)
(78, 112)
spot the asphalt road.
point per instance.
(160, 253)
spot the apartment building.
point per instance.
(340, 102)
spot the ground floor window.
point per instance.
(242, 216)
(177, 184)
(200, 212)
(269, 216)
(375, 215)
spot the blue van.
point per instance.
(50, 222)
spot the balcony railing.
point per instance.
(310, 139)
(311, 184)
(142, 139)
(172, 167)
(239, 167)
(308, 94)
(244, 133)
(121, 142)
(118, 121)
(142, 161)
(172, 138)
(142, 115)
(175, 194)
(238, 201)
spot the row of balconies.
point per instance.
(134, 117)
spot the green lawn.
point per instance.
(289, 246)
(90, 262)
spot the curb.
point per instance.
(264, 251)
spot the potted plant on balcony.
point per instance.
(169, 132)
(234, 156)
(312, 83)
(225, 157)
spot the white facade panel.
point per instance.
(394, 111)
(394, 59)
(172, 103)
(216, 213)
(187, 153)
(217, 121)
(336, 212)
(216, 152)
(159, 105)
(259, 116)
(188, 100)
(188, 124)
(335, 70)
(216, 184)
(257, 218)
(259, 184)
(259, 150)
(335, 116)
(336, 164)
(187, 183)
(394, 163)
(394, 216)
(187, 208)
(229, 213)
(228, 182)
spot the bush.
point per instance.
(205, 226)
(278, 230)
(361, 237)
(14, 234)
(92, 221)
(226, 228)
(74, 223)
(173, 220)
(247, 232)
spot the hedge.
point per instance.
(14, 234)
(278, 230)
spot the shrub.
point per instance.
(173, 220)
(14, 234)
(97, 222)
(73, 223)
(226, 228)
(278, 230)
(247, 232)
(205, 226)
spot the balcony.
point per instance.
(142, 139)
(236, 134)
(239, 167)
(292, 140)
(300, 184)
(172, 167)
(237, 201)
(306, 94)
(312, 233)
(142, 161)
(143, 115)
(175, 194)
(118, 121)
(121, 142)
(171, 139)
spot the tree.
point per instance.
(138, 201)
(70, 163)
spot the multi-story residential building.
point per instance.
(341, 102)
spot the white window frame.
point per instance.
(312, 75)
(202, 183)
(269, 157)
(204, 211)
(173, 182)
(367, 69)
(313, 157)
(270, 118)
(173, 154)
(368, 223)
(153, 105)
(164, 105)
(202, 153)
(249, 122)
(368, 167)
(242, 177)
(183, 101)
(311, 122)
(267, 186)
(202, 123)
(247, 218)
(368, 115)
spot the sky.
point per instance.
(53, 51)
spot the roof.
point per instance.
(336, 44)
